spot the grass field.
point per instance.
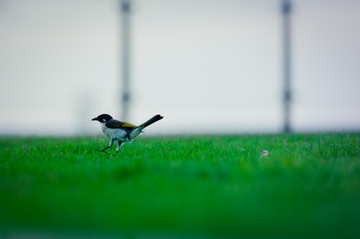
(178, 187)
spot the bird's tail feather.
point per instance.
(151, 121)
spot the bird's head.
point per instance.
(103, 118)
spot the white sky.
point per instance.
(208, 66)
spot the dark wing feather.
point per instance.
(115, 124)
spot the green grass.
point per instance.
(209, 186)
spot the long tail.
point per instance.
(151, 121)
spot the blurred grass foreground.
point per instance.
(259, 186)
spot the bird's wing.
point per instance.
(115, 124)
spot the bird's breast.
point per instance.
(117, 134)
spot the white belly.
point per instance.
(117, 134)
(121, 134)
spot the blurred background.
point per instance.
(207, 66)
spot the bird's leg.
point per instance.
(111, 144)
(119, 146)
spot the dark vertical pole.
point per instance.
(286, 12)
(125, 37)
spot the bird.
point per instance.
(122, 132)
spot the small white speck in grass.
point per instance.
(264, 153)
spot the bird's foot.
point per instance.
(102, 150)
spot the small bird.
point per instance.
(121, 132)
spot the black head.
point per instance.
(103, 118)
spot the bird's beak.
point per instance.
(95, 119)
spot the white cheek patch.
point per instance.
(104, 120)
